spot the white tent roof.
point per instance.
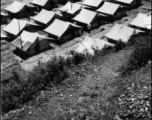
(40, 2)
(88, 45)
(93, 3)
(15, 7)
(71, 7)
(125, 1)
(26, 40)
(44, 16)
(85, 16)
(57, 28)
(108, 8)
(13, 26)
(120, 32)
(142, 20)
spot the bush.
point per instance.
(46, 75)
(142, 52)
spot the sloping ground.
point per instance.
(8, 61)
(92, 83)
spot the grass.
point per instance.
(8, 61)
(87, 87)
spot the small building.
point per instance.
(4, 18)
(45, 4)
(88, 19)
(17, 10)
(93, 4)
(120, 33)
(70, 9)
(112, 11)
(63, 31)
(142, 22)
(45, 17)
(15, 27)
(31, 43)
(130, 3)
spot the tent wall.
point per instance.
(47, 6)
(4, 19)
(31, 10)
(43, 44)
(132, 5)
(95, 23)
(33, 28)
(118, 14)
(63, 2)
(32, 50)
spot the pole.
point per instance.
(20, 35)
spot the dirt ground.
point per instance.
(29, 63)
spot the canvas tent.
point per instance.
(45, 4)
(142, 21)
(31, 43)
(14, 28)
(71, 8)
(129, 3)
(62, 30)
(88, 45)
(87, 17)
(45, 17)
(120, 32)
(111, 9)
(93, 3)
(4, 18)
(17, 9)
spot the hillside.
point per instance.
(8, 61)
(97, 88)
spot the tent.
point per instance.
(45, 17)
(14, 28)
(45, 4)
(62, 30)
(88, 45)
(71, 8)
(142, 21)
(4, 18)
(93, 3)
(31, 43)
(87, 17)
(113, 11)
(17, 9)
(120, 32)
(129, 3)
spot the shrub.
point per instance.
(22, 88)
(142, 52)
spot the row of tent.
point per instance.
(21, 10)
(58, 30)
